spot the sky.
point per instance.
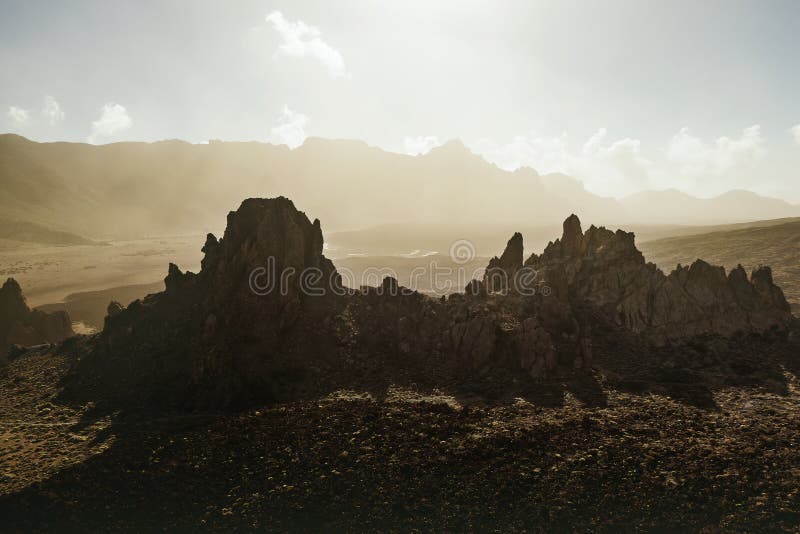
(627, 95)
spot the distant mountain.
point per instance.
(571, 191)
(172, 187)
(36, 233)
(671, 206)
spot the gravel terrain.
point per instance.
(606, 453)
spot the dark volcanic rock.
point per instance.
(500, 272)
(245, 327)
(19, 325)
(114, 308)
(266, 318)
(537, 355)
(474, 341)
(572, 242)
(606, 270)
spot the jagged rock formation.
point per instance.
(604, 268)
(19, 325)
(501, 271)
(114, 309)
(237, 329)
(266, 318)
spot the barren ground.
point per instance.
(606, 453)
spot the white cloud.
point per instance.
(619, 163)
(795, 131)
(693, 156)
(301, 40)
(606, 167)
(114, 119)
(619, 166)
(52, 111)
(290, 130)
(545, 154)
(415, 146)
(18, 116)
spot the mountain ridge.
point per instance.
(125, 187)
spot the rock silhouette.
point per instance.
(605, 269)
(501, 271)
(267, 318)
(19, 325)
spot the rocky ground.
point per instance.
(613, 450)
(620, 399)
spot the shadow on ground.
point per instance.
(638, 443)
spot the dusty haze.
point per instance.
(126, 190)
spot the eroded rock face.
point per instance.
(252, 314)
(606, 269)
(474, 341)
(19, 325)
(266, 318)
(114, 308)
(500, 272)
(534, 347)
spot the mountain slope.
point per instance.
(671, 206)
(130, 189)
(35, 233)
(168, 187)
(778, 246)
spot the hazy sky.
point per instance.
(626, 95)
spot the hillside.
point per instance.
(128, 189)
(777, 245)
(125, 190)
(29, 232)
(671, 206)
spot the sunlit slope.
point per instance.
(127, 189)
(777, 246)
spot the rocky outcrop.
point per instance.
(474, 341)
(534, 347)
(19, 325)
(114, 309)
(234, 330)
(266, 318)
(606, 270)
(500, 272)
